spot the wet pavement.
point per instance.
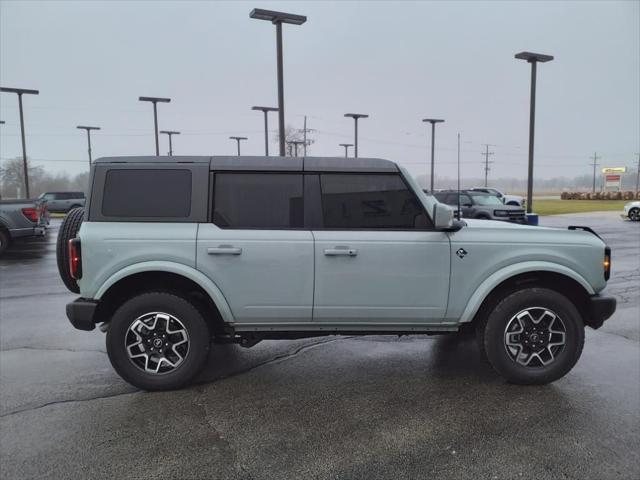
(334, 407)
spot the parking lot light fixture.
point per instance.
(355, 117)
(238, 140)
(265, 110)
(278, 18)
(155, 101)
(20, 92)
(346, 148)
(433, 122)
(295, 144)
(88, 129)
(533, 59)
(170, 133)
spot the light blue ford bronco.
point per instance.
(174, 254)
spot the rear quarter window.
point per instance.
(151, 193)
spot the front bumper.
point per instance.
(600, 308)
(81, 313)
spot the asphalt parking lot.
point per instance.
(337, 407)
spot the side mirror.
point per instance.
(442, 216)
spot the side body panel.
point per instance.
(399, 277)
(487, 253)
(109, 247)
(267, 279)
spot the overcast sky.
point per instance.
(398, 62)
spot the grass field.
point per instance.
(555, 207)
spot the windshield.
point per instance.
(489, 200)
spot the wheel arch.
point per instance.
(503, 282)
(164, 276)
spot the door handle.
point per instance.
(340, 252)
(224, 250)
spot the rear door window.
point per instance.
(151, 193)
(258, 200)
(370, 201)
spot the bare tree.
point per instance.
(12, 176)
(292, 134)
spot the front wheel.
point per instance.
(158, 341)
(533, 336)
(634, 214)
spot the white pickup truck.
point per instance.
(515, 200)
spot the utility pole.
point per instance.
(305, 136)
(486, 154)
(88, 129)
(20, 92)
(170, 133)
(346, 148)
(595, 159)
(238, 139)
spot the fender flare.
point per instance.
(496, 278)
(179, 269)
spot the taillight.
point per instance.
(31, 214)
(607, 263)
(75, 259)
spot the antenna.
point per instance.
(459, 213)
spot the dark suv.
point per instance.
(482, 206)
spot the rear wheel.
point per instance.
(158, 341)
(533, 336)
(634, 214)
(68, 231)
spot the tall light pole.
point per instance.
(238, 139)
(355, 117)
(155, 101)
(170, 133)
(278, 18)
(266, 110)
(88, 129)
(346, 148)
(533, 59)
(433, 122)
(20, 92)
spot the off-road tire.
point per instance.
(158, 302)
(68, 230)
(491, 336)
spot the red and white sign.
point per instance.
(613, 181)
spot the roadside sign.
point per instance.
(606, 170)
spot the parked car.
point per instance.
(62, 202)
(515, 200)
(482, 206)
(242, 249)
(632, 211)
(21, 219)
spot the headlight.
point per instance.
(501, 213)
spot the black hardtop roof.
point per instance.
(258, 163)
